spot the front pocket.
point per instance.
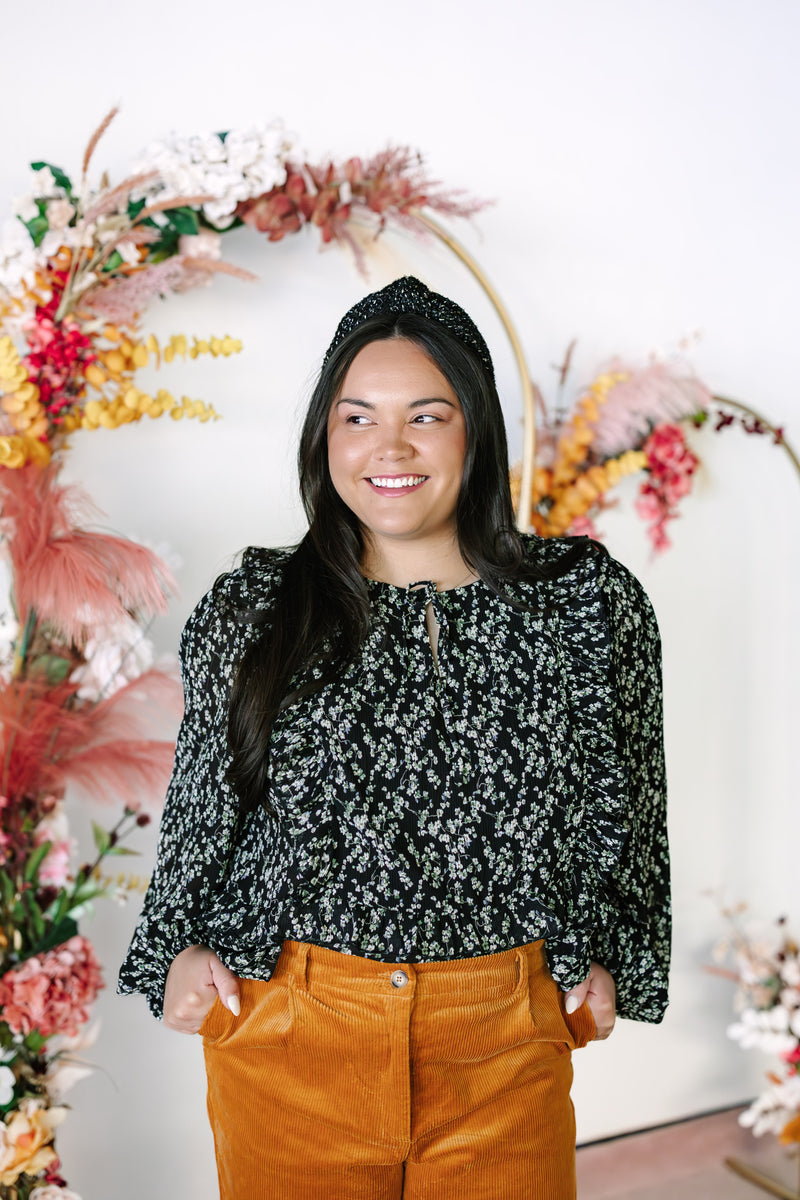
(547, 1014)
(210, 1029)
(265, 1020)
(582, 1025)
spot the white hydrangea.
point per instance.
(244, 165)
(19, 258)
(766, 1030)
(115, 656)
(43, 183)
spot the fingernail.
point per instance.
(234, 1005)
(572, 1003)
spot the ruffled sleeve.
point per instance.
(200, 815)
(632, 939)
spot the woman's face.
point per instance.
(396, 444)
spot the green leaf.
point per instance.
(36, 919)
(35, 1041)
(7, 888)
(55, 936)
(122, 850)
(85, 892)
(102, 838)
(55, 911)
(115, 260)
(35, 861)
(53, 667)
(37, 228)
(184, 220)
(135, 207)
(164, 248)
(62, 179)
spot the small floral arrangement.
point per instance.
(766, 968)
(628, 420)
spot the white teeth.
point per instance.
(398, 481)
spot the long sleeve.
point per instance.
(198, 825)
(633, 940)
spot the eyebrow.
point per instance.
(414, 403)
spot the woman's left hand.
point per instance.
(599, 992)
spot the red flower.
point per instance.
(671, 465)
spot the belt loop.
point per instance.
(522, 967)
(302, 966)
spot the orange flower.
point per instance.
(791, 1131)
(25, 1140)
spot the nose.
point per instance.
(393, 443)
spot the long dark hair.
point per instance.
(321, 613)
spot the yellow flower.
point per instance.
(25, 1140)
(18, 449)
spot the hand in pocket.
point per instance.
(196, 978)
(599, 992)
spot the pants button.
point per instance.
(399, 979)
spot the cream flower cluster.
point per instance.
(19, 257)
(231, 167)
(774, 1108)
(773, 1030)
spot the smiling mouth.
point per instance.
(396, 484)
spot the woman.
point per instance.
(414, 840)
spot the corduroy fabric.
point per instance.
(335, 1083)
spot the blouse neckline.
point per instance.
(426, 586)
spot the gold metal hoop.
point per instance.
(528, 402)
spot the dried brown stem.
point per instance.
(95, 138)
(194, 262)
(107, 203)
(175, 202)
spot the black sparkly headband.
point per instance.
(410, 295)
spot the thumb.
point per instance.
(576, 996)
(227, 985)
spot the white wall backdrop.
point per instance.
(641, 156)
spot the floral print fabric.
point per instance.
(508, 789)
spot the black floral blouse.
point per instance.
(509, 789)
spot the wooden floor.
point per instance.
(685, 1161)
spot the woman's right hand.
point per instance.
(195, 979)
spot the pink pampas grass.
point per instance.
(104, 750)
(649, 396)
(69, 577)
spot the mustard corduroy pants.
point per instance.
(345, 1078)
